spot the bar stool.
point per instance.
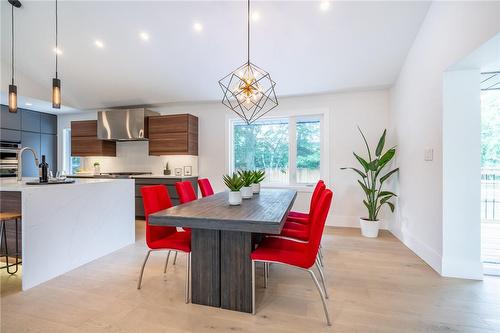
(4, 217)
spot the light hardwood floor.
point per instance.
(375, 285)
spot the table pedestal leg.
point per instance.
(205, 267)
(236, 270)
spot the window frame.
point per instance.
(292, 148)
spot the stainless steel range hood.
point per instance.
(123, 124)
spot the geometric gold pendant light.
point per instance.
(56, 83)
(12, 86)
(249, 90)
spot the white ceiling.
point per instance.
(352, 45)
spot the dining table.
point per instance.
(222, 239)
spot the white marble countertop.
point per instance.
(162, 176)
(11, 184)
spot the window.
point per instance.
(71, 164)
(288, 149)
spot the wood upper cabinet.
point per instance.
(173, 135)
(84, 141)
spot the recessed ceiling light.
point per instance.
(197, 27)
(28, 104)
(144, 36)
(99, 43)
(255, 16)
(324, 5)
(57, 50)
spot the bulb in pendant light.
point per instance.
(56, 93)
(12, 98)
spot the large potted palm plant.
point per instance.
(372, 178)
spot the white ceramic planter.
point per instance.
(369, 228)
(234, 198)
(256, 188)
(246, 192)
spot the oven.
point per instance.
(8, 158)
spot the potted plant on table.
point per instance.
(247, 178)
(372, 182)
(258, 177)
(234, 183)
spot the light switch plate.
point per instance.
(428, 154)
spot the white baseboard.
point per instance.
(421, 249)
(347, 221)
(462, 270)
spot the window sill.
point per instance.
(298, 188)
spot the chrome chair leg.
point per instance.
(323, 280)
(188, 269)
(266, 273)
(142, 269)
(166, 262)
(313, 276)
(175, 258)
(253, 287)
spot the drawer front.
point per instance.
(10, 135)
(170, 188)
(10, 120)
(168, 143)
(84, 128)
(168, 124)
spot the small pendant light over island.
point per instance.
(12, 86)
(56, 83)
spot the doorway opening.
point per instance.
(490, 172)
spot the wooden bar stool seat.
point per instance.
(5, 217)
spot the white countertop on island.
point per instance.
(11, 184)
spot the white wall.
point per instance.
(368, 109)
(449, 32)
(462, 174)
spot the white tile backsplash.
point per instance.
(134, 156)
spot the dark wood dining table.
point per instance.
(222, 239)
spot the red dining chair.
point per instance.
(205, 187)
(185, 191)
(163, 238)
(303, 218)
(295, 254)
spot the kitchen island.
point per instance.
(65, 226)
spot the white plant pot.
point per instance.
(234, 198)
(246, 192)
(369, 228)
(256, 188)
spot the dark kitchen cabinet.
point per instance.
(48, 147)
(30, 120)
(48, 123)
(173, 135)
(10, 135)
(10, 120)
(169, 183)
(32, 140)
(84, 141)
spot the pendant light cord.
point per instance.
(12, 45)
(248, 31)
(57, 49)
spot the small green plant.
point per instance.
(247, 177)
(370, 181)
(166, 166)
(258, 176)
(96, 164)
(234, 182)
